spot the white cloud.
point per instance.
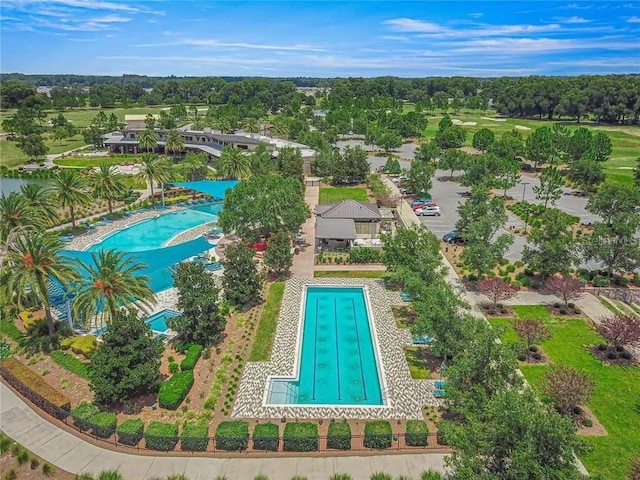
(633, 19)
(476, 15)
(195, 42)
(573, 20)
(410, 25)
(88, 4)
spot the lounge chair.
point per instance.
(440, 384)
(405, 297)
(439, 393)
(107, 220)
(421, 340)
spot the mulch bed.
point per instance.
(603, 356)
(559, 310)
(500, 311)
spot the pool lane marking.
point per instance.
(335, 318)
(355, 318)
(315, 353)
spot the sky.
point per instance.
(320, 39)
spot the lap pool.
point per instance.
(156, 232)
(337, 362)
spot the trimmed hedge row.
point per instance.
(300, 437)
(195, 436)
(104, 424)
(232, 435)
(377, 434)
(82, 415)
(417, 433)
(130, 431)
(29, 383)
(191, 358)
(173, 391)
(161, 436)
(339, 436)
(266, 436)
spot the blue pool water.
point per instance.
(156, 232)
(157, 322)
(337, 364)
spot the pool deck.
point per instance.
(405, 396)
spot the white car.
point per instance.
(428, 211)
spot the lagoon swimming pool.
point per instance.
(154, 233)
(337, 363)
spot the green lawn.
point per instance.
(261, 350)
(337, 194)
(349, 274)
(87, 162)
(417, 358)
(616, 399)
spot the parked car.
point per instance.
(428, 211)
(420, 201)
(423, 205)
(453, 237)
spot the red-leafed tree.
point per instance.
(496, 289)
(531, 331)
(566, 288)
(620, 330)
(568, 387)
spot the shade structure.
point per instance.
(157, 261)
(214, 188)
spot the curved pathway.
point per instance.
(74, 455)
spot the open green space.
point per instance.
(11, 156)
(87, 162)
(350, 274)
(261, 350)
(417, 359)
(615, 399)
(625, 139)
(338, 194)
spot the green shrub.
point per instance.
(191, 358)
(173, 391)
(195, 436)
(71, 363)
(519, 263)
(377, 434)
(417, 433)
(504, 261)
(266, 437)
(342, 476)
(83, 414)
(511, 268)
(85, 345)
(232, 436)
(130, 431)
(339, 436)
(173, 368)
(27, 381)
(66, 343)
(516, 284)
(587, 422)
(300, 437)
(380, 476)
(601, 282)
(104, 424)
(364, 255)
(161, 436)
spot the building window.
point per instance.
(132, 135)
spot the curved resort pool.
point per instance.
(156, 232)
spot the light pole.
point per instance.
(524, 189)
(526, 206)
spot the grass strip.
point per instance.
(261, 350)
(71, 363)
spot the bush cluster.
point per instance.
(191, 358)
(161, 436)
(83, 414)
(173, 391)
(29, 382)
(377, 434)
(339, 436)
(104, 424)
(266, 436)
(364, 255)
(417, 433)
(195, 436)
(232, 435)
(130, 431)
(300, 437)
(85, 345)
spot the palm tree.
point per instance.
(42, 200)
(15, 213)
(70, 189)
(107, 183)
(33, 261)
(223, 124)
(234, 163)
(147, 140)
(194, 167)
(153, 169)
(174, 142)
(110, 281)
(251, 125)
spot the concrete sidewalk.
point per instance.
(74, 455)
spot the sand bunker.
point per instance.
(494, 119)
(455, 121)
(522, 127)
(469, 124)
